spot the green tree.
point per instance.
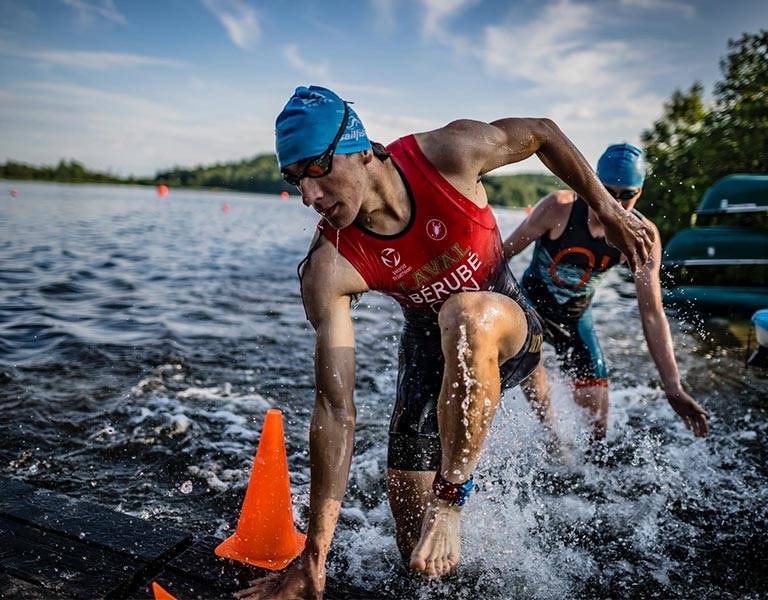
(692, 145)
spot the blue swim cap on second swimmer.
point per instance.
(309, 122)
(622, 166)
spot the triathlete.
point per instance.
(570, 258)
(412, 220)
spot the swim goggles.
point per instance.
(622, 194)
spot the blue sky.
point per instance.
(136, 86)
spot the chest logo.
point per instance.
(436, 229)
(390, 257)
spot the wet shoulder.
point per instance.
(449, 151)
(456, 148)
(555, 211)
(563, 199)
(328, 272)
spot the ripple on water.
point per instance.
(12, 276)
(136, 365)
(67, 291)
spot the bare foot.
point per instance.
(437, 551)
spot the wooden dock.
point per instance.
(54, 547)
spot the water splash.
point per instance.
(336, 255)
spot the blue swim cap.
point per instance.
(309, 122)
(622, 166)
(760, 318)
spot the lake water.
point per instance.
(143, 339)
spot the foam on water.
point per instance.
(541, 529)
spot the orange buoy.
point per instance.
(284, 195)
(162, 190)
(265, 534)
(226, 207)
(528, 210)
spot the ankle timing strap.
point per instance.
(456, 494)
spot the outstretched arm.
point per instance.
(331, 433)
(659, 340)
(471, 148)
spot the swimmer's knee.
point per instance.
(457, 310)
(477, 313)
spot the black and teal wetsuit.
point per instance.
(560, 282)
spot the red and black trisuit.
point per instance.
(449, 245)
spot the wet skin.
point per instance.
(479, 331)
(549, 218)
(362, 189)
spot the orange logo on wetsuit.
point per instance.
(587, 272)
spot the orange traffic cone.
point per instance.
(160, 593)
(265, 534)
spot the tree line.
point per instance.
(260, 174)
(66, 172)
(693, 144)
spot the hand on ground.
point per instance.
(300, 581)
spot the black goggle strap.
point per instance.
(332, 148)
(324, 158)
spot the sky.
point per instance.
(134, 86)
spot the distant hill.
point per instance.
(65, 172)
(524, 189)
(260, 174)
(257, 174)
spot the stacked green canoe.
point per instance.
(720, 264)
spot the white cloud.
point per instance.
(316, 70)
(687, 10)
(437, 12)
(319, 74)
(386, 128)
(87, 12)
(45, 121)
(56, 94)
(87, 60)
(571, 69)
(547, 48)
(240, 21)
